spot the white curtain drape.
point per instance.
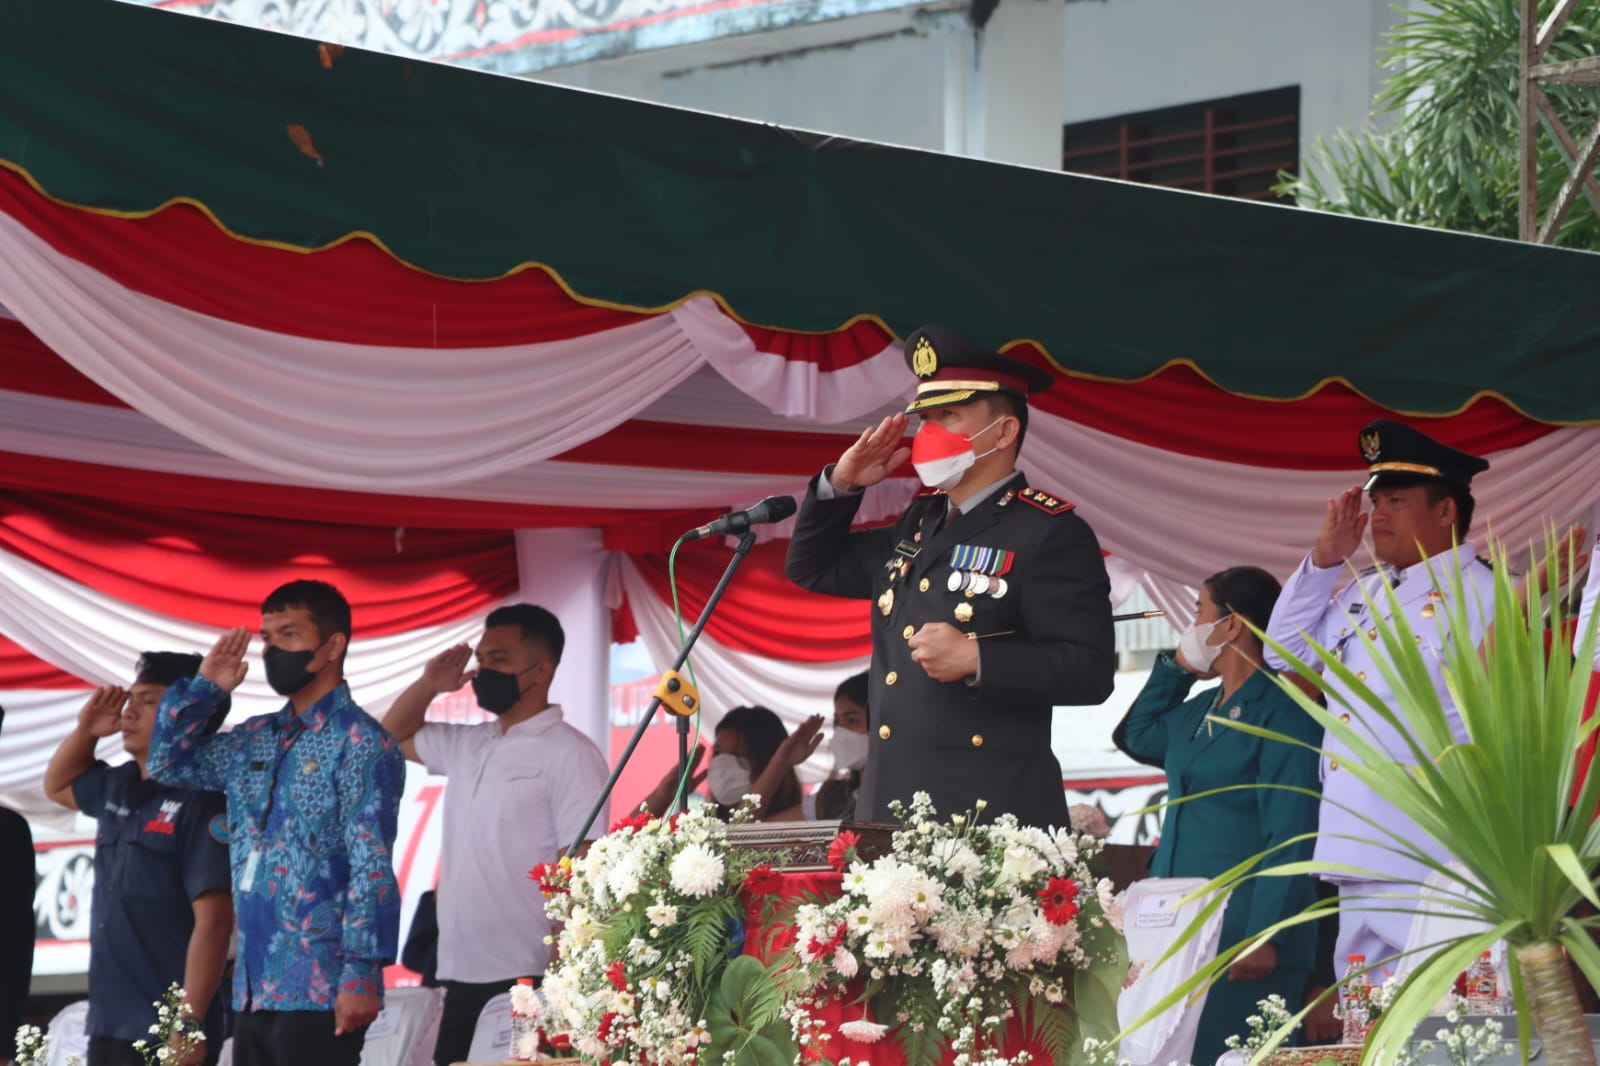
(384, 418)
(1182, 518)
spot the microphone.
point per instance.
(771, 509)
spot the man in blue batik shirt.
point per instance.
(313, 799)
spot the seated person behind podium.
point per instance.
(520, 788)
(162, 908)
(1206, 837)
(313, 806)
(754, 754)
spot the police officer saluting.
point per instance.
(1421, 513)
(989, 599)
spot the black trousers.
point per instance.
(463, 1002)
(293, 1038)
(108, 1051)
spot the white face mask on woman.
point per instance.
(1192, 645)
(729, 778)
(849, 749)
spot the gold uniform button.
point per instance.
(922, 585)
(1333, 764)
(1372, 634)
(890, 678)
(977, 740)
(1345, 717)
(907, 631)
(884, 732)
(1361, 675)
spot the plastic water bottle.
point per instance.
(1483, 987)
(1354, 992)
(522, 1026)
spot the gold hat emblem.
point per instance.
(1371, 446)
(924, 360)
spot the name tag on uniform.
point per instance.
(1157, 912)
(247, 876)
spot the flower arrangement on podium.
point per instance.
(960, 930)
(649, 969)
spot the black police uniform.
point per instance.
(156, 849)
(1021, 570)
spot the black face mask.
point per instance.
(286, 670)
(497, 691)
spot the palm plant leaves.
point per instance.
(1505, 802)
(1449, 161)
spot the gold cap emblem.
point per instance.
(924, 360)
(1371, 446)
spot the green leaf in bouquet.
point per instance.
(745, 1017)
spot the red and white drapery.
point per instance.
(197, 390)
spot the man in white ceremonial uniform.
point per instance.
(520, 788)
(1422, 507)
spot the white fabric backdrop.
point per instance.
(383, 418)
(99, 639)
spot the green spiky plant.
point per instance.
(1449, 159)
(1506, 806)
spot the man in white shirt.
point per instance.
(520, 788)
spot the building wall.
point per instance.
(928, 79)
(1138, 55)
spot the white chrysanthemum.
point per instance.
(696, 871)
(956, 859)
(844, 963)
(662, 914)
(863, 1031)
(622, 880)
(1106, 892)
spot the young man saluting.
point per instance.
(313, 800)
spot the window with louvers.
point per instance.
(1230, 147)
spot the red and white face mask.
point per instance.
(940, 457)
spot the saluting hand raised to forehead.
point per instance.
(101, 713)
(448, 671)
(1341, 530)
(224, 664)
(875, 455)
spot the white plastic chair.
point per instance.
(491, 1038)
(406, 1028)
(67, 1036)
(1441, 920)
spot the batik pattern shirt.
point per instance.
(313, 805)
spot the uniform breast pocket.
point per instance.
(152, 861)
(522, 796)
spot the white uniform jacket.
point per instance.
(1312, 605)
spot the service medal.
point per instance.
(955, 581)
(886, 602)
(963, 612)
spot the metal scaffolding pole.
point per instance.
(1534, 104)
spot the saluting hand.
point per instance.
(447, 671)
(875, 455)
(943, 651)
(100, 714)
(1341, 530)
(798, 746)
(224, 664)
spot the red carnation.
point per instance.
(763, 880)
(818, 948)
(633, 823)
(547, 874)
(1058, 897)
(618, 979)
(603, 1030)
(842, 850)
